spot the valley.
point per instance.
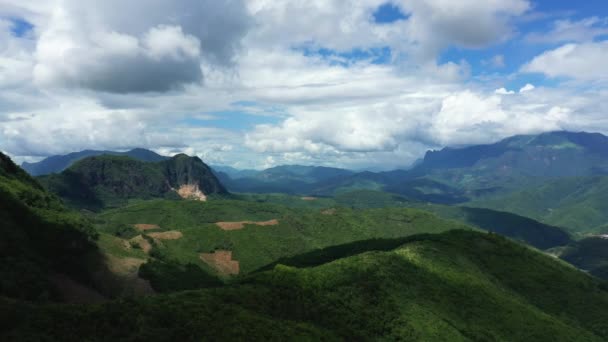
(271, 250)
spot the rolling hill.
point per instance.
(56, 164)
(454, 286)
(108, 180)
(579, 204)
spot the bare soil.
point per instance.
(221, 261)
(241, 224)
(169, 235)
(191, 191)
(328, 211)
(308, 198)
(143, 243)
(145, 226)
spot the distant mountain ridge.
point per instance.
(110, 180)
(56, 164)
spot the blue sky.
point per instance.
(252, 84)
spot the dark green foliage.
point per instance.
(39, 236)
(590, 254)
(171, 276)
(112, 181)
(455, 286)
(56, 164)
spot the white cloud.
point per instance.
(526, 88)
(135, 46)
(584, 61)
(503, 91)
(81, 80)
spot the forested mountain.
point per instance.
(110, 180)
(56, 164)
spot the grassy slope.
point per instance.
(298, 231)
(455, 286)
(537, 234)
(580, 204)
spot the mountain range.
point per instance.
(447, 250)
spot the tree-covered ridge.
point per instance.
(110, 181)
(56, 164)
(455, 286)
(39, 237)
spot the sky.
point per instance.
(365, 84)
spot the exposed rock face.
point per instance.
(191, 191)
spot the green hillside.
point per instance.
(111, 181)
(455, 286)
(56, 164)
(295, 231)
(579, 204)
(532, 232)
(40, 237)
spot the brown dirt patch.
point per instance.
(124, 276)
(192, 192)
(308, 198)
(145, 226)
(328, 211)
(169, 235)
(143, 243)
(241, 224)
(221, 261)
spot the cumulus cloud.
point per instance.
(168, 74)
(503, 91)
(135, 46)
(526, 88)
(585, 61)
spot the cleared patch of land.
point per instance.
(169, 235)
(241, 224)
(142, 243)
(328, 211)
(145, 226)
(221, 261)
(308, 198)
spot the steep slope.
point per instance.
(106, 181)
(579, 204)
(590, 254)
(40, 237)
(455, 286)
(56, 164)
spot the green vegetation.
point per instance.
(39, 237)
(111, 181)
(579, 204)
(455, 286)
(590, 254)
(298, 230)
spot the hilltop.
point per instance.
(109, 180)
(56, 164)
